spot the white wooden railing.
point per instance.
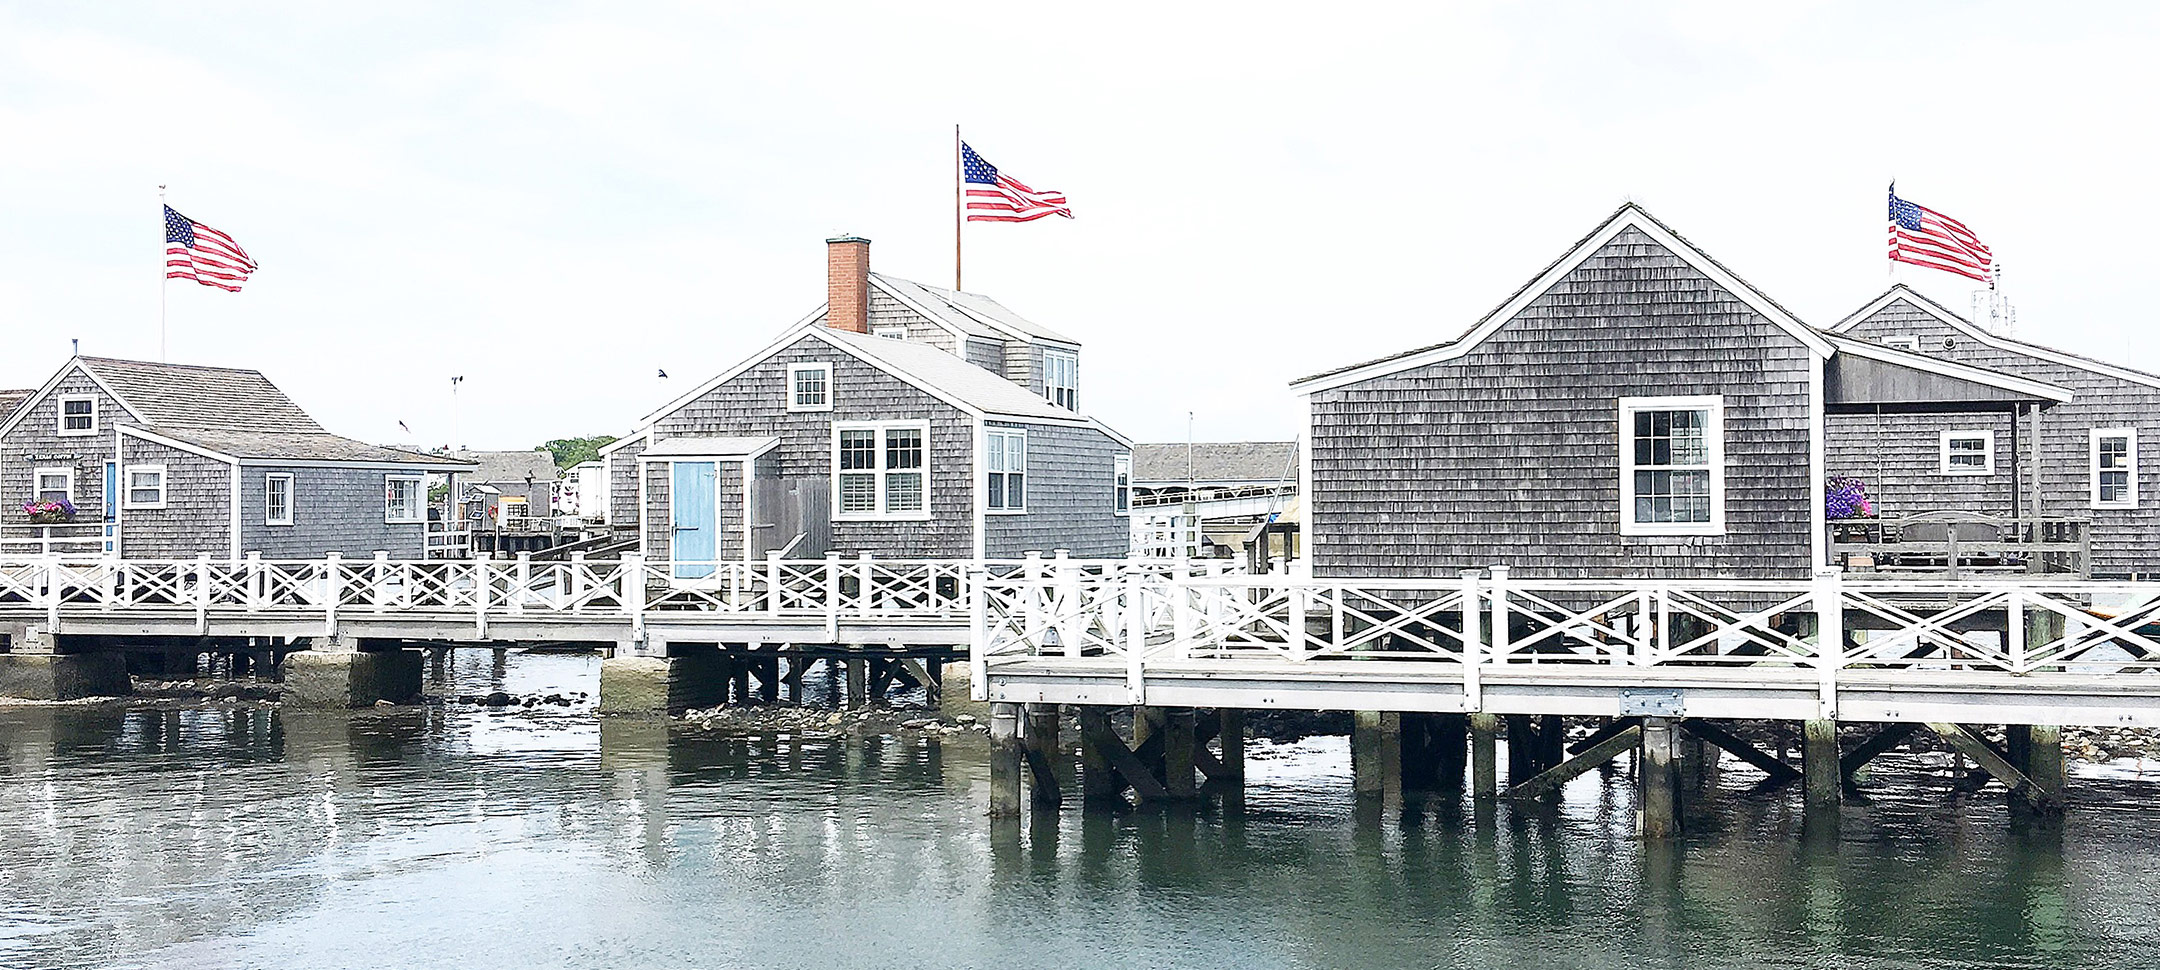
(72, 539)
(1483, 621)
(833, 591)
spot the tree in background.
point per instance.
(575, 451)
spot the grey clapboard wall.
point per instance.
(1510, 454)
(339, 510)
(2123, 540)
(1899, 457)
(1069, 497)
(623, 472)
(197, 517)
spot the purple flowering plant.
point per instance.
(50, 513)
(1846, 498)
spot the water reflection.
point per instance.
(436, 837)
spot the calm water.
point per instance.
(424, 838)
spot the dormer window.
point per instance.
(891, 332)
(810, 387)
(1061, 378)
(1906, 343)
(78, 416)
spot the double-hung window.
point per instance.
(78, 416)
(1005, 456)
(1910, 344)
(55, 485)
(402, 502)
(810, 387)
(1672, 465)
(278, 499)
(1121, 484)
(1968, 452)
(2114, 468)
(880, 471)
(145, 487)
(1061, 378)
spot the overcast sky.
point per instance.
(556, 200)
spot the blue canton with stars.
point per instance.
(974, 169)
(179, 229)
(1905, 214)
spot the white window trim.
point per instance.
(993, 440)
(1943, 446)
(1120, 467)
(2092, 466)
(419, 503)
(291, 498)
(890, 331)
(127, 487)
(794, 369)
(37, 475)
(1050, 390)
(1713, 437)
(1905, 342)
(880, 514)
(60, 427)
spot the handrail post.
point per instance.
(1031, 595)
(832, 594)
(481, 594)
(633, 596)
(381, 574)
(1294, 604)
(1829, 596)
(864, 572)
(1135, 638)
(51, 566)
(1472, 640)
(524, 583)
(254, 581)
(978, 631)
(1181, 612)
(2014, 629)
(202, 595)
(772, 582)
(333, 590)
(108, 582)
(1502, 638)
(579, 572)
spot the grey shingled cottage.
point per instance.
(1639, 410)
(900, 420)
(172, 461)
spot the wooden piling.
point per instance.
(1006, 755)
(1822, 776)
(2036, 750)
(1043, 750)
(1100, 784)
(1177, 754)
(1231, 732)
(1659, 801)
(1450, 739)
(1375, 753)
(1522, 748)
(1484, 759)
(857, 672)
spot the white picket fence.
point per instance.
(1486, 620)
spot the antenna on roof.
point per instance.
(75, 346)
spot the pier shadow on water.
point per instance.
(230, 836)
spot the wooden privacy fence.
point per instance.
(1483, 621)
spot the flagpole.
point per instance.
(956, 185)
(162, 286)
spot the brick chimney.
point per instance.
(847, 283)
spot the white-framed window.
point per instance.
(1905, 342)
(1061, 378)
(78, 416)
(2114, 468)
(53, 484)
(404, 499)
(881, 471)
(1672, 465)
(809, 387)
(1121, 484)
(143, 487)
(1005, 458)
(1968, 452)
(890, 331)
(278, 499)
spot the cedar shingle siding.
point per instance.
(755, 403)
(1510, 453)
(337, 510)
(1068, 497)
(623, 474)
(2123, 540)
(197, 517)
(1899, 456)
(37, 437)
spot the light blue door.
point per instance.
(696, 533)
(112, 504)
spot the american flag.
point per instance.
(1924, 237)
(994, 197)
(194, 251)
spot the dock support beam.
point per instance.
(1043, 748)
(1484, 756)
(1660, 798)
(1376, 753)
(1821, 774)
(1006, 754)
(1230, 725)
(341, 673)
(2041, 759)
(1179, 735)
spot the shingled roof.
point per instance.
(510, 466)
(191, 396)
(1215, 462)
(10, 400)
(302, 446)
(970, 313)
